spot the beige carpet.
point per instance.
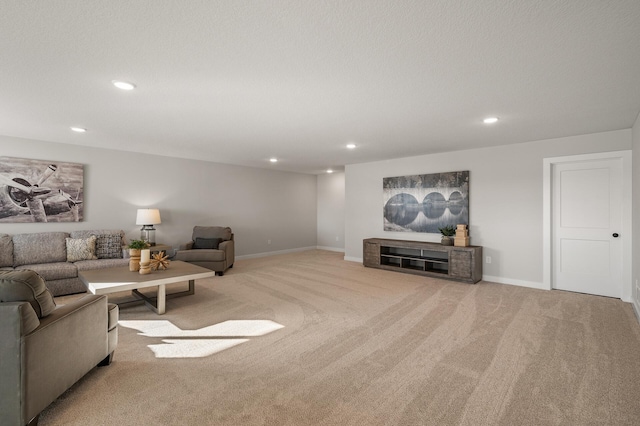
(334, 343)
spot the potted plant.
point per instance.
(447, 232)
(137, 245)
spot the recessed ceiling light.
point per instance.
(78, 129)
(329, 171)
(490, 120)
(351, 145)
(273, 160)
(123, 85)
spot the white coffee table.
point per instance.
(113, 280)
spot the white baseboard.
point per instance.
(519, 283)
(327, 248)
(353, 259)
(636, 309)
(295, 250)
(273, 253)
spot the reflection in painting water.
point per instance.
(425, 203)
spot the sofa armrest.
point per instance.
(186, 246)
(229, 249)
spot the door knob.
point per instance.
(615, 235)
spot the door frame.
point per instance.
(625, 232)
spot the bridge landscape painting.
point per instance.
(40, 191)
(425, 203)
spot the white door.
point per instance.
(586, 227)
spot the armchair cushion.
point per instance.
(113, 312)
(202, 255)
(26, 286)
(212, 232)
(112, 327)
(206, 243)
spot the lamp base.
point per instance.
(148, 235)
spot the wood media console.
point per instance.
(423, 258)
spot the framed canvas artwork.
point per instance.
(40, 191)
(425, 203)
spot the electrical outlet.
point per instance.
(488, 259)
(337, 238)
(268, 241)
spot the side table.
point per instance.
(161, 247)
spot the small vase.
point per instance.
(446, 241)
(134, 260)
(145, 268)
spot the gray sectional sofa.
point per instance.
(49, 254)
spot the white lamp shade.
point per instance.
(148, 217)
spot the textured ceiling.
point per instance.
(240, 81)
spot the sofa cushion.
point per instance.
(6, 250)
(81, 249)
(41, 247)
(206, 243)
(26, 286)
(109, 242)
(84, 265)
(52, 271)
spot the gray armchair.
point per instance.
(211, 247)
(46, 349)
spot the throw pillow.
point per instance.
(81, 249)
(6, 250)
(207, 243)
(109, 246)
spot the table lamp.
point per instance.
(147, 218)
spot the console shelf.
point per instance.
(423, 258)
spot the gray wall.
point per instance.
(258, 204)
(331, 211)
(636, 219)
(505, 199)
